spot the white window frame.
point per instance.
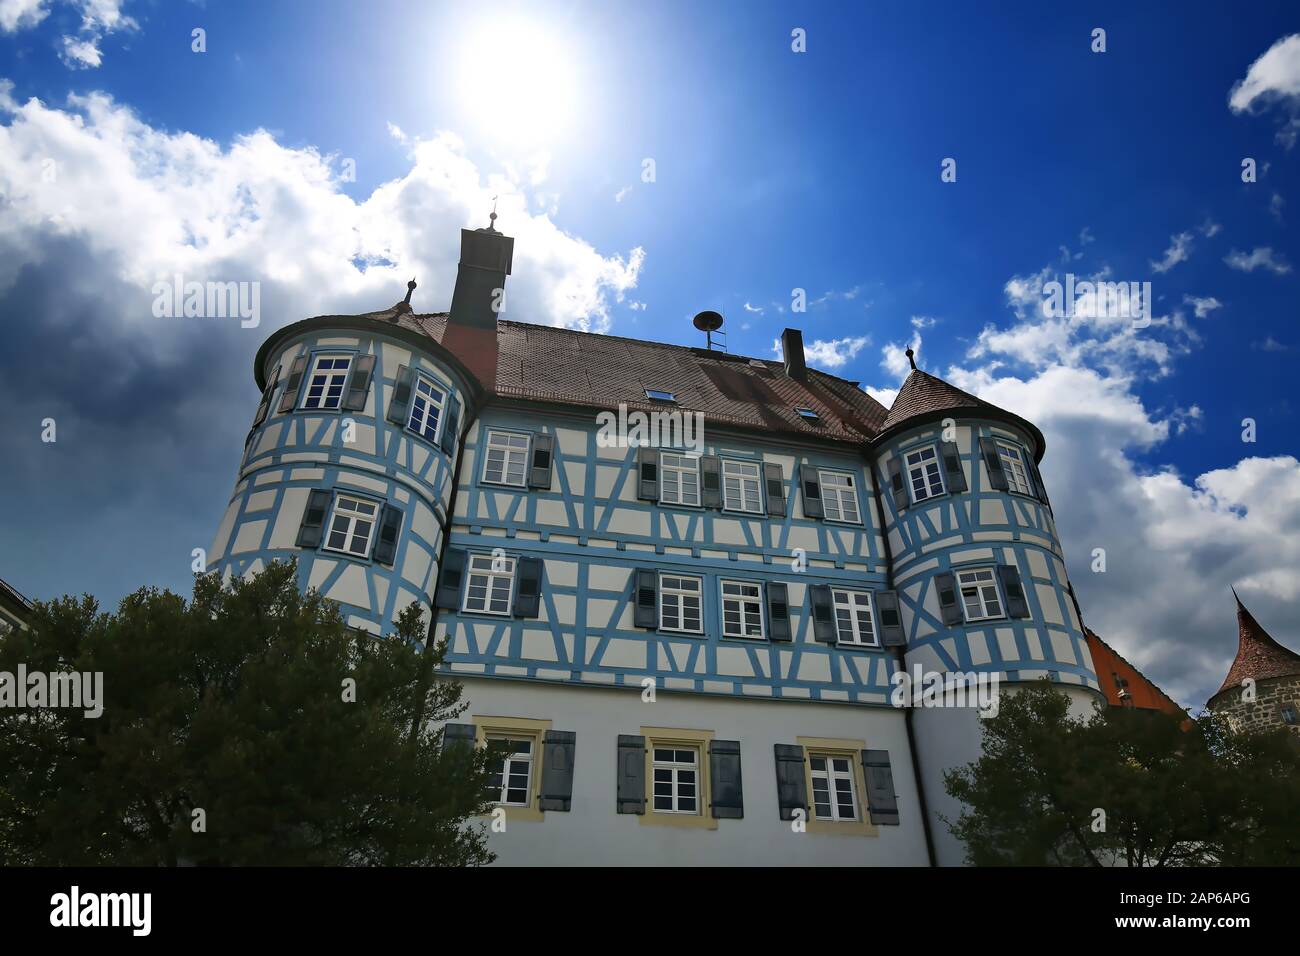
(515, 757)
(344, 510)
(832, 776)
(683, 468)
(681, 594)
(328, 378)
(746, 605)
(984, 581)
(674, 769)
(742, 480)
(1013, 466)
(846, 599)
(840, 497)
(930, 470)
(483, 567)
(507, 449)
(418, 420)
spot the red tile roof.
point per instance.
(1259, 657)
(1142, 692)
(548, 364)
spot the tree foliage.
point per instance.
(229, 735)
(1125, 787)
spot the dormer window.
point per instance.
(807, 413)
(659, 395)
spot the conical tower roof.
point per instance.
(1259, 657)
(925, 398)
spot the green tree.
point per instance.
(231, 734)
(1124, 787)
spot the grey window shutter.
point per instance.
(882, 802)
(363, 369)
(631, 774)
(823, 611)
(896, 486)
(313, 518)
(390, 524)
(647, 599)
(778, 613)
(647, 473)
(889, 620)
(954, 477)
(1040, 489)
(451, 425)
(1017, 606)
(558, 750)
(810, 481)
(539, 475)
(711, 481)
(791, 786)
(289, 400)
(945, 584)
(451, 579)
(265, 405)
(456, 736)
(399, 406)
(993, 462)
(724, 780)
(774, 479)
(528, 587)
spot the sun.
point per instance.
(518, 79)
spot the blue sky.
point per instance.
(773, 171)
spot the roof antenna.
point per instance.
(709, 322)
(909, 353)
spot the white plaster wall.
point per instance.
(593, 833)
(947, 738)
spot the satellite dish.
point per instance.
(708, 321)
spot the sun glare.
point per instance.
(518, 80)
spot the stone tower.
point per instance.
(1262, 689)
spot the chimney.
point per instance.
(792, 349)
(485, 257)
(471, 334)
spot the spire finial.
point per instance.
(410, 287)
(910, 357)
(492, 219)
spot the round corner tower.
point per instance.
(349, 466)
(978, 567)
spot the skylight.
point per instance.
(659, 395)
(807, 412)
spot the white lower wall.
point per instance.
(947, 738)
(593, 833)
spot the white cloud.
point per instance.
(81, 53)
(1275, 205)
(622, 194)
(1202, 307)
(753, 308)
(1210, 228)
(18, 15)
(1180, 247)
(894, 357)
(1270, 344)
(152, 203)
(923, 322)
(1275, 75)
(828, 354)
(1262, 257)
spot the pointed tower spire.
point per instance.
(1259, 657)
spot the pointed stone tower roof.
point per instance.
(1259, 657)
(926, 398)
